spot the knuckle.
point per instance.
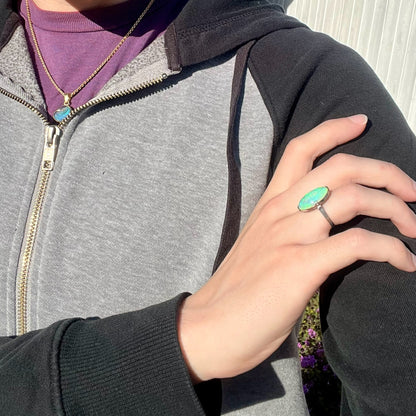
(295, 147)
(387, 168)
(270, 208)
(397, 246)
(357, 238)
(340, 159)
(324, 129)
(327, 123)
(327, 127)
(354, 196)
(409, 257)
(395, 206)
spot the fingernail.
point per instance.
(359, 119)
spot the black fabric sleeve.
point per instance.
(368, 309)
(129, 364)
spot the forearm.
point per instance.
(122, 364)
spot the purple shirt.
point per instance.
(74, 44)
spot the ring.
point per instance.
(315, 200)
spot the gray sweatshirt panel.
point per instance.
(135, 206)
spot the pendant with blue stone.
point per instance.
(64, 111)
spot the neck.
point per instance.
(76, 5)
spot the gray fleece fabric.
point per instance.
(135, 205)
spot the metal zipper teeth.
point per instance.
(32, 229)
(25, 103)
(27, 253)
(120, 94)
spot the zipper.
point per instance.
(52, 135)
(50, 147)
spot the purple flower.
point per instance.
(307, 361)
(311, 333)
(325, 368)
(307, 386)
(320, 352)
(299, 345)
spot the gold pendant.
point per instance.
(64, 111)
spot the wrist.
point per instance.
(194, 339)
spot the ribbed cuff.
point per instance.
(128, 364)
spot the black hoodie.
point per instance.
(304, 78)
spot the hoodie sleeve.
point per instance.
(125, 364)
(368, 309)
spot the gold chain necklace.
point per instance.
(66, 109)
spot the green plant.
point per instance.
(320, 384)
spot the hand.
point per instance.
(251, 303)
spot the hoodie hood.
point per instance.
(208, 28)
(205, 29)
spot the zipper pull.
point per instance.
(50, 148)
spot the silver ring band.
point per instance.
(326, 216)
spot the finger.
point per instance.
(349, 201)
(343, 205)
(343, 169)
(301, 152)
(343, 249)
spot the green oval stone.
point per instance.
(312, 198)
